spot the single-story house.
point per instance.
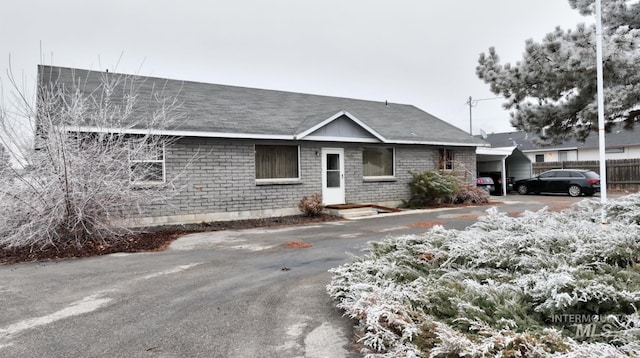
(256, 152)
(620, 143)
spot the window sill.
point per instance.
(261, 182)
(379, 179)
(147, 185)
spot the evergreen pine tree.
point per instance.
(553, 87)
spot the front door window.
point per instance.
(333, 170)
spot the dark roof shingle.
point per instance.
(617, 137)
(213, 108)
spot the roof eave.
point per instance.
(182, 133)
(438, 143)
(175, 133)
(550, 149)
(340, 139)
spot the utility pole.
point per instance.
(601, 127)
(472, 103)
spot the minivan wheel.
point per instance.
(523, 189)
(575, 190)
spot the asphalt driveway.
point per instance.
(220, 294)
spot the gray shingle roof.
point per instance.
(249, 112)
(618, 137)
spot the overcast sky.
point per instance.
(419, 52)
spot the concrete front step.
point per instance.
(349, 211)
(353, 212)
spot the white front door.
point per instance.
(332, 176)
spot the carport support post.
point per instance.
(504, 176)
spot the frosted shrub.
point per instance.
(542, 284)
(431, 187)
(471, 194)
(311, 205)
(625, 209)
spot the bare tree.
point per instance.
(84, 170)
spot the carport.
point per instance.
(509, 162)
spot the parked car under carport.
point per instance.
(497, 179)
(486, 183)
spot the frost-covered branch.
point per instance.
(76, 172)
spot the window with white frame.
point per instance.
(378, 162)
(614, 150)
(277, 162)
(445, 159)
(146, 162)
(565, 155)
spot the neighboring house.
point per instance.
(619, 144)
(622, 153)
(256, 153)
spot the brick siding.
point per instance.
(220, 176)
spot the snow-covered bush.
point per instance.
(471, 194)
(431, 187)
(311, 205)
(626, 209)
(541, 284)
